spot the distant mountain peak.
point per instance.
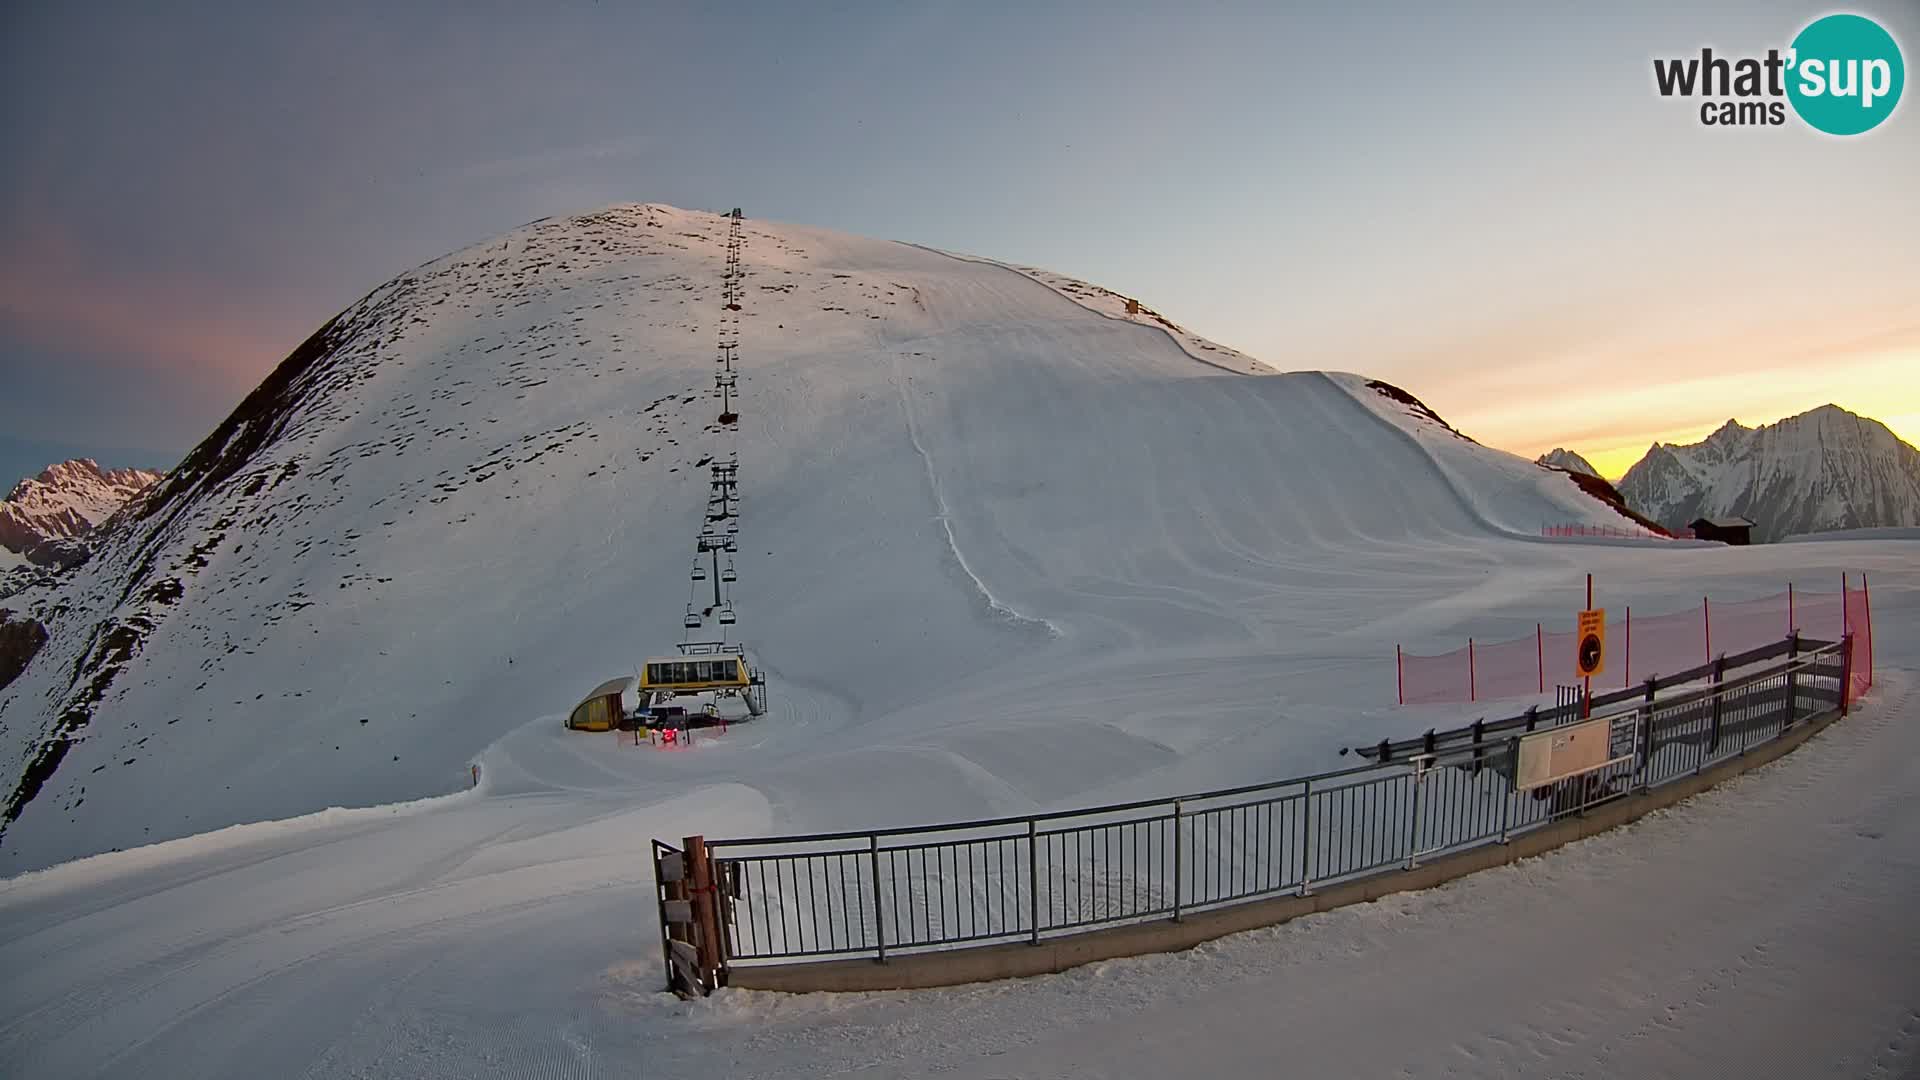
(1562, 458)
(44, 515)
(1826, 468)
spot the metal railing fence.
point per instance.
(881, 892)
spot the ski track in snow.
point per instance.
(945, 516)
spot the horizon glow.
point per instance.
(1494, 210)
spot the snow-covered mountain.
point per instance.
(1561, 458)
(975, 499)
(1821, 470)
(65, 503)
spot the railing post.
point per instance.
(1706, 624)
(1177, 852)
(1033, 880)
(1473, 680)
(879, 922)
(1846, 669)
(1866, 614)
(1793, 681)
(1713, 726)
(1643, 739)
(1506, 804)
(1626, 675)
(1306, 839)
(1413, 816)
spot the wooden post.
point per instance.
(705, 911)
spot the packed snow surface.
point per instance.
(1001, 552)
(1763, 929)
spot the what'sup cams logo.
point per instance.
(1842, 75)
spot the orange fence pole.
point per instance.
(1540, 654)
(1473, 688)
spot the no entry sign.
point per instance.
(1590, 644)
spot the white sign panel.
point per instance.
(1555, 754)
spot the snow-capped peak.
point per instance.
(1562, 458)
(1823, 469)
(65, 502)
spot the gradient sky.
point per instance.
(1487, 204)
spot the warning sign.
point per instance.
(1590, 644)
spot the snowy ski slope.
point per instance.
(479, 496)
(1001, 551)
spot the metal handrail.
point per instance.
(1246, 789)
(958, 884)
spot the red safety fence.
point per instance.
(1642, 647)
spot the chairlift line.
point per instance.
(723, 503)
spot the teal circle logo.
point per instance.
(1845, 74)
